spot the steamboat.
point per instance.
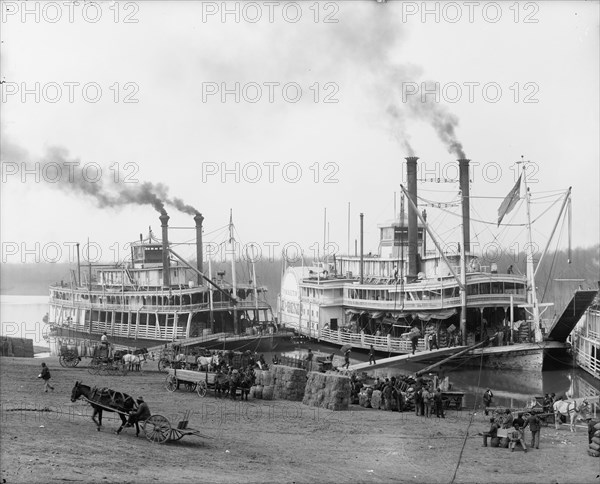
(156, 297)
(586, 341)
(384, 299)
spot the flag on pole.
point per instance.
(510, 201)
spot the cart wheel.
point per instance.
(74, 362)
(171, 383)
(176, 435)
(190, 386)
(201, 388)
(157, 429)
(62, 361)
(164, 365)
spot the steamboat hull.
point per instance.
(84, 341)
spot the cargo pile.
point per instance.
(19, 347)
(328, 391)
(280, 382)
(594, 449)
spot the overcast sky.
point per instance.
(326, 106)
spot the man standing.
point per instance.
(372, 355)
(414, 339)
(433, 342)
(346, 359)
(309, 359)
(533, 422)
(439, 403)
(104, 339)
(487, 399)
(492, 433)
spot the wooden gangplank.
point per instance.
(418, 356)
(571, 315)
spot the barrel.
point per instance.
(504, 442)
(495, 442)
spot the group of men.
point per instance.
(427, 401)
(515, 430)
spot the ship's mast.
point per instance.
(233, 276)
(531, 289)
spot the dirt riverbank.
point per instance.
(256, 441)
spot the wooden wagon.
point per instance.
(198, 381)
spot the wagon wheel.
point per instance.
(62, 361)
(201, 388)
(163, 365)
(157, 429)
(171, 383)
(190, 386)
(72, 362)
(176, 435)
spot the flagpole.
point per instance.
(532, 293)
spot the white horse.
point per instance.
(135, 362)
(208, 363)
(568, 409)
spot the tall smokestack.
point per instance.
(362, 257)
(164, 222)
(198, 218)
(463, 172)
(413, 230)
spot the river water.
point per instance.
(510, 388)
(21, 317)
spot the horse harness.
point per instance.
(116, 398)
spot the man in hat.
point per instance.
(487, 400)
(104, 339)
(141, 414)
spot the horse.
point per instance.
(208, 363)
(105, 399)
(135, 362)
(247, 381)
(569, 410)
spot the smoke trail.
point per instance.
(67, 176)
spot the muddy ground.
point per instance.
(256, 441)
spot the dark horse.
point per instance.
(105, 399)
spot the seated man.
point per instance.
(140, 415)
(516, 436)
(492, 433)
(507, 420)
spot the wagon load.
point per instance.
(327, 391)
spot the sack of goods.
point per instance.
(451, 328)
(39, 376)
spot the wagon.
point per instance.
(452, 400)
(196, 381)
(158, 429)
(68, 357)
(103, 362)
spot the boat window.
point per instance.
(485, 288)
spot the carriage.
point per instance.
(105, 361)
(158, 429)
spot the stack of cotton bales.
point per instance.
(289, 382)
(280, 382)
(376, 400)
(328, 391)
(594, 449)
